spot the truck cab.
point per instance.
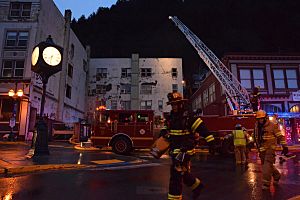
(123, 130)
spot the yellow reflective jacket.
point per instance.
(239, 138)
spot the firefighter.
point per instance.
(183, 133)
(266, 135)
(239, 141)
(255, 99)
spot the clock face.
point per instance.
(51, 56)
(35, 56)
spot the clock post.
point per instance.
(46, 60)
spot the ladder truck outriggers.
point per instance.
(237, 96)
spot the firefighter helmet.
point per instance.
(261, 114)
(174, 97)
(238, 126)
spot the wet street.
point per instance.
(149, 181)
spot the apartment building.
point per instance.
(133, 83)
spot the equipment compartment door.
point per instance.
(143, 130)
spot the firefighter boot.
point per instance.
(197, 191)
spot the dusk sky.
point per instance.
(82, 7)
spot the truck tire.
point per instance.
(121, 145)
(227, 146)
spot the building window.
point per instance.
(285, 78)
(146, 89)
(114, 104)
(273, 108)
(101, 73)
(72, 50)
(251, 78)
(6, 109)
(125, 88)
(69, 91)
(146, 105)
(205, 97)
(174, 72)
(174, 87)
(126, 105)
(146, 72)
(212, 93)
(16, 39)
(13, 68)
(126, 72)
(70, 70)
(100, 89)
(198, 101)
(160, 104)
(20, 9)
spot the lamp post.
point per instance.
(46, 60)
(12, 121)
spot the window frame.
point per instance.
(146, 72)
(146, 106)
(285, 79)
(69, 91)
(146, 89)
(252, 80)
(17, 39)
(70, 70)
(174, 72)
(125, 88)
(125, 72)
(100, 89)
(14, 67)
(20, 10)
(101, 72)
(175, 87)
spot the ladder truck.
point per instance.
(236, 95)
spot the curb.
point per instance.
(35, 168)
(17, 142)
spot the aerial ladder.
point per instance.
(236, 95)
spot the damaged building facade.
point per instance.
(133, 83)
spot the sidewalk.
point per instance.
(63, 156)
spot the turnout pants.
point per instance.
(240, 154)
(268, 169)
(180, 174)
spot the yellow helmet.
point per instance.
(261, 114)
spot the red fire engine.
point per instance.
(123, 130)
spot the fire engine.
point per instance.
(237, 96)
(123, 130)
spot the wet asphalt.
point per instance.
(149, 180)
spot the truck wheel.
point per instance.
(121, 145)
(227, 146)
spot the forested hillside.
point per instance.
(142, 26)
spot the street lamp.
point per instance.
(46, 60)
(12, 121)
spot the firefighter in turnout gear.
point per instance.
(239, 141)
(266, 135)
(183, 133)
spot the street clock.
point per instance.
(46, 58)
